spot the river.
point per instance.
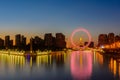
(62, 65)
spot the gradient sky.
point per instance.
(36, 17)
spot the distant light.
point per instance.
(102, 46)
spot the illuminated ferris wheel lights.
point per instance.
(78, 30)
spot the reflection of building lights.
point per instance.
(42, 59)
(30, 61)
(119, 69)
(12, 59)
(80, 71)
(113, 66)
(114, 69)
(99, 58)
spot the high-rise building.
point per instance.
(48, 39)
(117, 38)
(17, 40)
(31, 44)
(60, 40)
(111, 38)
(11, 43)
(37, 40)
(7, 42)
(38, 43)
(1, 43)
(102, 39)
(23, 40)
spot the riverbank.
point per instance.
(112, 51)
(29, 53)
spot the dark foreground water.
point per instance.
(70, 65)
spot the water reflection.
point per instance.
(12, 60)
(114, 67)
(56, 58)
(24, 66)
(81, 65)
(99, 58)
(109, 62)
(75, 65)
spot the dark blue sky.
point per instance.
(34, 17)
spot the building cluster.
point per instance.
(20, 42)
(109, 41)
(91, 45)
(48, 43)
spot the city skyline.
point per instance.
(37, 17)
(103, 39)
(59, 39)
(49, 42)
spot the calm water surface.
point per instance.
(70, 65)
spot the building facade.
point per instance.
(17, 40)
(60, 41)
(1, 43)
(7, 42)
(48, 39)
(111, 38)
(102, 39)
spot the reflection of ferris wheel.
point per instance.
(78, 30)
(79, 70)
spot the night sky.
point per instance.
(37, 17)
